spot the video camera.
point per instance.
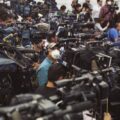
(114, 7)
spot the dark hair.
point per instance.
(35, 58)
(78, 5)
(51, 34)
(98, 1)
(63, 7)
(37, 37)
(3, 13)
(55, 71)
(85, 5)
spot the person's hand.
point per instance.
(107, 116)
(35, 66)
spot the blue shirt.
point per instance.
(42, 72)
(112, 34)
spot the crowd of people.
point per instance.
(36, 14)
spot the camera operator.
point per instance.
(53, 54)
(51, 38)
(107, 12)
(96, 9)
(56, 72)
(86, 13)
(62, 10)
(38, 45)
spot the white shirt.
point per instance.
(99, 28)
(96, 11)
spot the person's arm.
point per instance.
(99, 27)
(106, 27)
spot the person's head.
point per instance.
(52, 37)
(56, 72)
(53, 52)
(63, 8)
(99, 2)
(118, 26)
(74, 3)
(78, 7)
(86, 7)
(38, 44)
(109, 2)
(4, 15)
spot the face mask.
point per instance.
(109, 3)
(55, 54)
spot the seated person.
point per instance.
(56, 72)
(113, 35)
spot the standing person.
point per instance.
(62, 10)
(107, 13)
(96, 9)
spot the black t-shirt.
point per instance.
(46, 91)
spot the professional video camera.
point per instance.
(27, 107)
(76, 96)
(88, 92)
(16, 71)
(114, 7)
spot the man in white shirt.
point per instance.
(96, 9)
